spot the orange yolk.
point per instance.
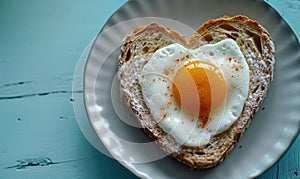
(199, 88)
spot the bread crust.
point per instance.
(260, 58)
(141, 31)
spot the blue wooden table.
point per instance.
(40, 44)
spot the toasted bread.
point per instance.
(258, 49)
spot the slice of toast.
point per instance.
(258, 49)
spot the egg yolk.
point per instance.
(199, 88)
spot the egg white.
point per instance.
(156, 82)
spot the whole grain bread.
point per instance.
(257, 48)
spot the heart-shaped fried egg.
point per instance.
(196, 94)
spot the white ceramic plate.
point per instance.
(272, 130)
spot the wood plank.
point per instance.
(48, 130)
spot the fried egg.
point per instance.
(195, 94)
